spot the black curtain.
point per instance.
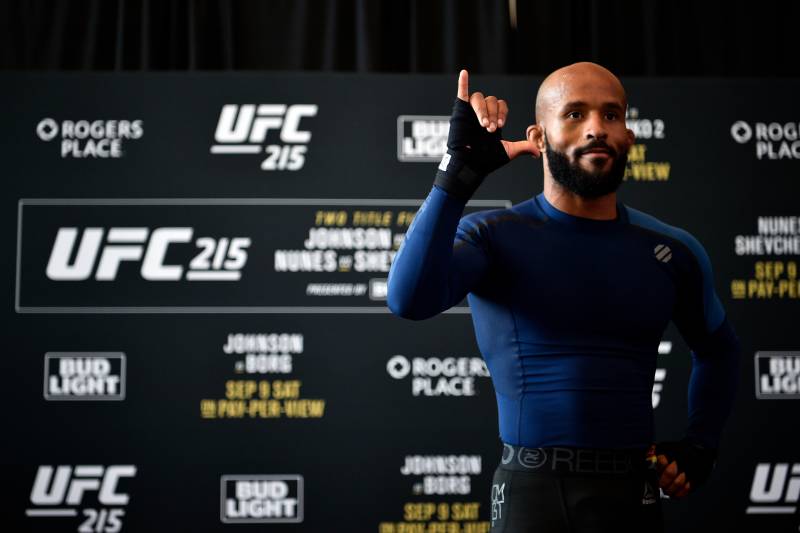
(650, 37)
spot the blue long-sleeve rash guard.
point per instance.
(568, 314)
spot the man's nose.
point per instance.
(595, 127)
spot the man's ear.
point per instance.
(631, 137)
(535, 134)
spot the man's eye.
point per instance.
(574, 114)
(611, 116)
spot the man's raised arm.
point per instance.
(441, 260)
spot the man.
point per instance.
(570, 294)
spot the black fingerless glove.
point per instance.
(695, 460)
(472, 153)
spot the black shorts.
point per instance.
(532, 494)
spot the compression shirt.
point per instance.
(568, 314)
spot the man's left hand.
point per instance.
(682, 465)
(672, 481)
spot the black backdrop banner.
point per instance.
(195, 321)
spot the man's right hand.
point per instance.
(475, 147)
(492, 114)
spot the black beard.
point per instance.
(585, 184)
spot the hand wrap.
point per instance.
(472, 153)
(695, 460)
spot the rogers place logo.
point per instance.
(773, 140)
(90, 139)
(434, 376)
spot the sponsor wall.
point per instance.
(195, 321)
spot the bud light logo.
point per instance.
(261, 499)
(777, 375)
(84, 376)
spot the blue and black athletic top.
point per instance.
(568, 314)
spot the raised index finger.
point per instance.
(463, 85)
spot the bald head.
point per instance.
(574, 82)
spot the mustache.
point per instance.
(593, 146)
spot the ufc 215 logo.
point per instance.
(63, 491)
(244, 129)
(100, 253)
(775, 489)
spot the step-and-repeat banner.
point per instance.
(195, 324)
